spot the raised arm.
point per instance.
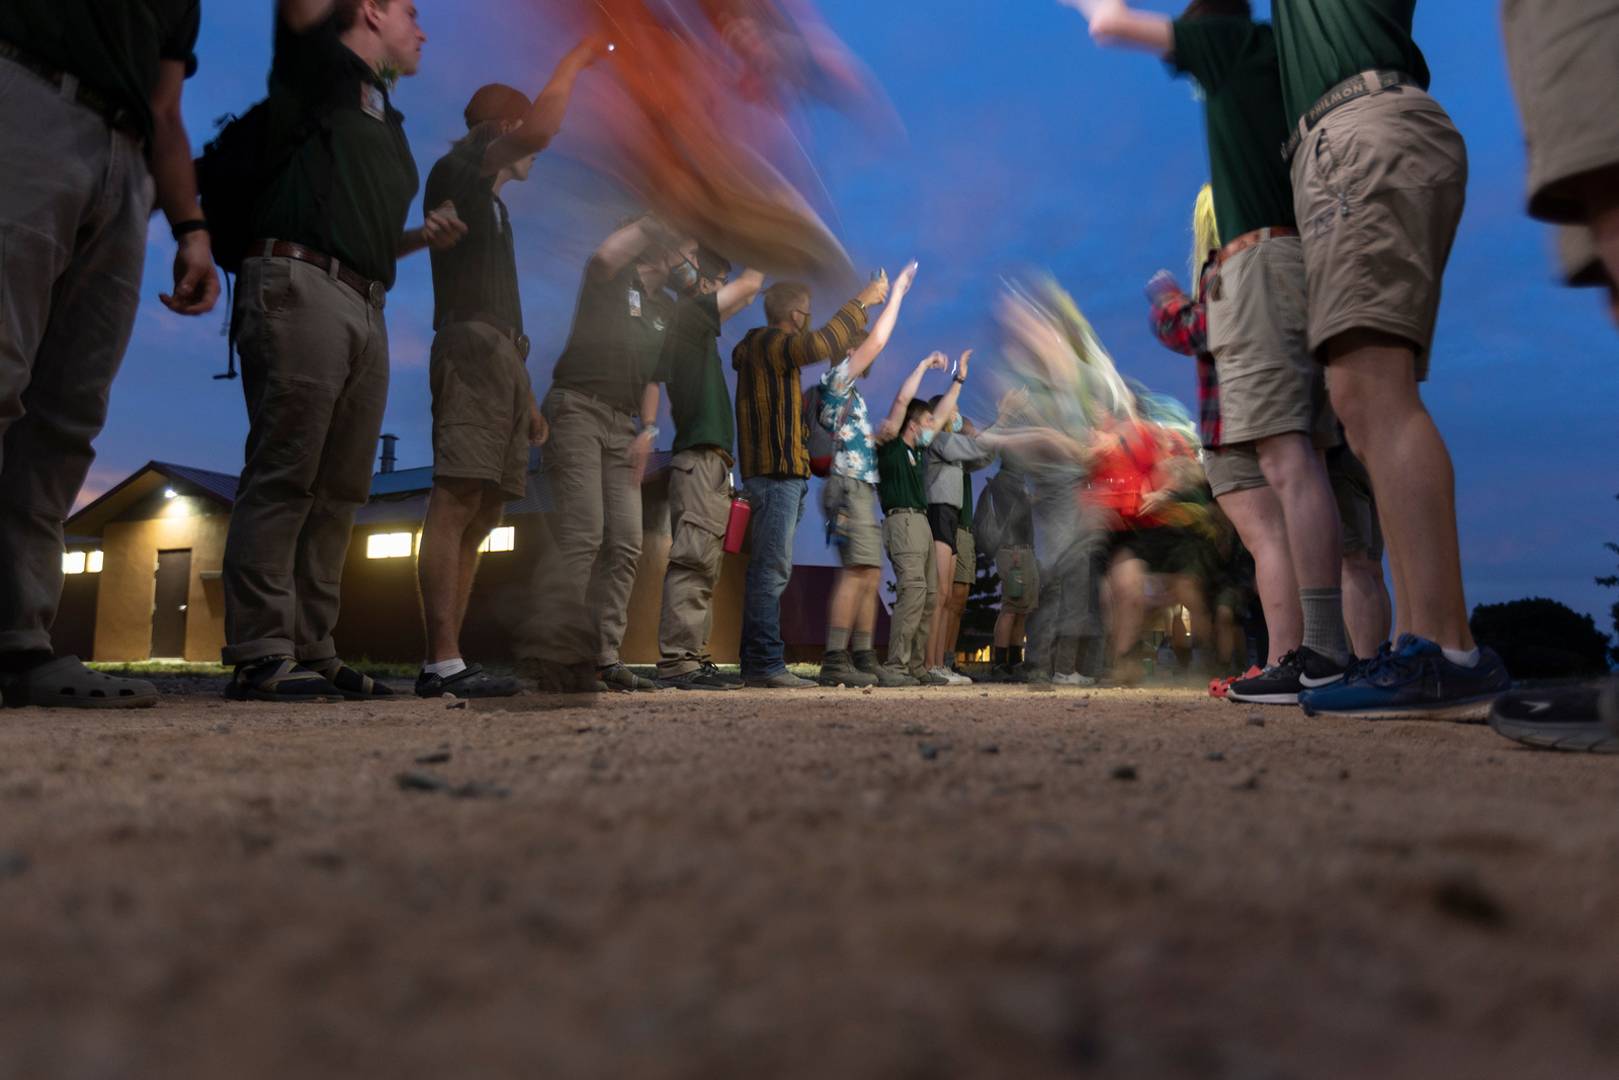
(894, 422)
(622, 248)
(196, 286)
(544, 119)
(739, 294)
(301, 15)
(834, 339)
(864, 356)
(1113, 22)
(947, 404)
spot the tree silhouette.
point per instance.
(1542, 639)
(1612, 582)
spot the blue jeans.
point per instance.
(778, 507)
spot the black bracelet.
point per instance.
(186, 228)
(959, 381)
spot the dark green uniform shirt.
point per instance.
(479, 275)
(1324, 42)
(617, 336)
(690, 367)
(899, 477)
(1234, 60)
(347, 188)
(967, 500)
(112, 46)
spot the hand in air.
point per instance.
(936, 361)
(1162, 284)
(961, 366)
(907, 277)
(876, 291)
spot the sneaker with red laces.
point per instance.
(1219, 688)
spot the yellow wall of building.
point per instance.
(129, 579)
(646, 606)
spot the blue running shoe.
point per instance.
(1413, 681)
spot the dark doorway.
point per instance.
(169, 605)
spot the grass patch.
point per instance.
(145, 669)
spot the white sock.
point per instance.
(1460, 658)
(445, 668)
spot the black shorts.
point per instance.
(944, 521)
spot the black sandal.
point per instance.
(353, 685)
(474, 682)
(279, 678)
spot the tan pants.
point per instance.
(315, 374)
(74, 202)
(910, 549)
(699, 507)
(583, 606)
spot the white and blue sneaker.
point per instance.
(1413, 680)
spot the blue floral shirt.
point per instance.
(843, 413)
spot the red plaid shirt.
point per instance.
(1182, 324)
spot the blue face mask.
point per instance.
(925, 439)
(683, 277)
(955, 426)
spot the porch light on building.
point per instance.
(170, 493)
(396, 545)
(500, 540)
(73, 562)
(92, 565)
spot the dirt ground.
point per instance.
(962, 882)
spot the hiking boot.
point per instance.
(1282, 683)
(1413, 680)
(618, 677)
(782, 680)
(1577, 718)
(704, 677)
(930, 677)
(837, 669)
(472, 682)
(1002, 673)
(279, 678)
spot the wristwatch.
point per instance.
(652, 430)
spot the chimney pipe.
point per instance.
(388, 458)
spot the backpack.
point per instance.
(822, 442)
(989, 518)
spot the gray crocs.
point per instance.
(65, 683)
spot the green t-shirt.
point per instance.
(112, 46)
(1324, 42)
(690, 367)
(478, 276)
(349, 185)
(899, 477)
(1234, 60)
(616, 339)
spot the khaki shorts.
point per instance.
(1270, 383)
(1352, 487)
(1233, 468)
(851, 511)
(1564, 60)
(966, 557)
(1019, 574)
(482, 404)
(1581, 262)
(1379, 187)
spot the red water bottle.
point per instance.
(736, 527)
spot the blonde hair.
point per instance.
(1205, 233)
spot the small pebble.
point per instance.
(1256, 721)
(13, 864)
(437, 757)
(928, 751)
(421, 781)
(1250, 784)
(1215, 755)
(1124, 772)
(989, 749)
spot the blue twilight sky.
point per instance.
(1025, 147)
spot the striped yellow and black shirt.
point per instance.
(771, 437)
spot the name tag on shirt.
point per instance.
(372, 102)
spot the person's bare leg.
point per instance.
(958, 608)
(865, 621)
(451, 509)
(1297, 473)
(1126, 585)
(1003, 629)
(487, 520)
(1366, 603)
(944, 571)
(1225, 638)
(1374, 390)
(1257, 515)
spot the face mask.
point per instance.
(683, 277)
(955, 426)
(926, 438)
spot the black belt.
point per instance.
(117, 117)
(518, 339)
(1356, 86)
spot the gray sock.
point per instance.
(1324, 623)
(860, 641)
(837, 639)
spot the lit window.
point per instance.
(502, 539)
(389, 545)
(93, 564)
(73, 562)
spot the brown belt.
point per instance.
(1252, 239)
(374, 293)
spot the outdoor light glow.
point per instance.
(170, 493)
(93, 564)
(73, 562)
(502, 539)
(399, 545)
